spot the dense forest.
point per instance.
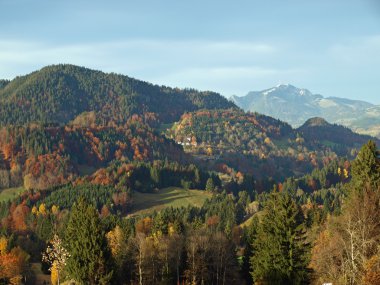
(105, 179)
(59, 93)
(260, 145)
(294, 236)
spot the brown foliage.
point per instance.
(144, 226)
(343, 251)
(372, 271)
(18, 216)
(105, 212)
(9, 266)
(213, 221)
(46, 171)
(13, 264)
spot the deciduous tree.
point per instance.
(56, 255)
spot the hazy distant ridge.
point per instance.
(295, 106)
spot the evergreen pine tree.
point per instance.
(366, 168)
(280, 251)
(155, 176)
(251, 235)
(87, 246)
(210, 185)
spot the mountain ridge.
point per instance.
(297, 105)
(59, 93)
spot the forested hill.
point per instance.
(59, 93)
(258, 144)
(3, 83)
(319, 131)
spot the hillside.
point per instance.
(40, 157)
(59, 93)
(86, 121)
(260, 145)
(295, 106)
(3, 83)
(168, 197)
(319, 131)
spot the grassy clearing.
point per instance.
(168, 197)
(329, 143)
(164, 127)
(247, 222)
(282, 143)
(10, 193)
(86, 169)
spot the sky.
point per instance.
(331, 47)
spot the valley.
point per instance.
(157, 185)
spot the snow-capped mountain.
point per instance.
(295, 106)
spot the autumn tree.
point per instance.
(350, 241)
(141, 246)
(56, 255)
(117, 242)
(19, 215)
(327, 256)
(224, 269)
(197, 249)
(371, 274)
(211, 258)
(3, 245)
(13, 265)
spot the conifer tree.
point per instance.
(280, 251)
(87, 246)
(342, 251)
(251, 235)
(366, 168)
(210, 187)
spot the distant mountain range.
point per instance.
(295, 106)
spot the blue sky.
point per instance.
(232, 47)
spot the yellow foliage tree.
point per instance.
(17, 280)
(3, 245)
(54, 274)
(171, 230)
(34, 210)
(42, 209)
(267, 141)
(56, 255)
(115, 240)
(54, 209)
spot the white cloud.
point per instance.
(20, 51)
(230, 80)
(192, 63)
